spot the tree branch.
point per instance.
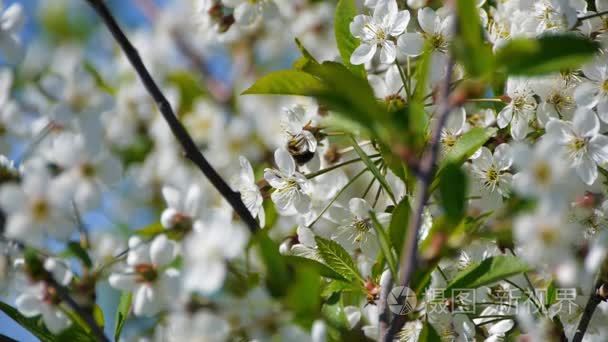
(64, 294)
(594, 300)
(384, 314)
(190, 149)
(427, 170)
(590, 16)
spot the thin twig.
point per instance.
(594, 15)
(191, 151)
(336, 166)
(427, 170)
(594, 300)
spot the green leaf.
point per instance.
(453, 191)
(287, 82)
(333, 85)
(393, 162)
(468, 144)
(32, 324)
(122, 312)
(78, 330)
(324, 270)
(76, 249)
(333, 312)
(469, 45)
(150, 230)
(277, 273)
(551, 294)
(348, 94)
(346, 10)
(335, 286)
(75, 333)
(338, 259)
(546, 54)
(375, 171)
(487, 272)
(306, 59)
(304, 294)
(385, 245)
(399, 224)
(98, 315)
(428, 334)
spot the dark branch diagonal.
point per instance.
(181, 134)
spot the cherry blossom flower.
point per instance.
(299, 130)
(36, 209)
(386, 23)
(520, 110)
(149, 275)
(39, 299)
(491, 171)
(249, 13)
(593, 91)
(245, 183)
(436, 30)
(208, 248)
(356, 229)
(183, 207)
(292, 189)
(581, 143)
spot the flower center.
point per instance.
(88, 170)
(577, 146)
(182, 223)
(605, 86)
(548, 235)
(519, 103)
(50, 296)
(491, 178)
(146, 273)
(449, 140)
(361, 227)
(378, 32)
(560, 101)
(542, 173)
(40, 209)
(438, 42)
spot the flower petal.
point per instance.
(585, 123)
(162, 251)
(388, 52)
(410, 44)
(284, 161)
(363, 53)
(359, 207)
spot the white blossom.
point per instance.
(291, 188)
(149, 275)
(581, 143)
(378, 30)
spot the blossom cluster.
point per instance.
(97, 193)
